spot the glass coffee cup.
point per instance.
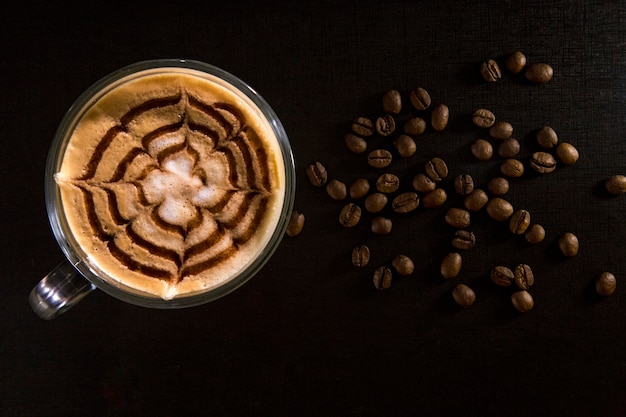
(177, 197)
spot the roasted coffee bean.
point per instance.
(490, 71)
(476, 200)
(355, 144)
(439, 117)
(434, 198)
(415, 126)
(381, 225)
(499, 209)
(405, 202)
(296, 224)
(392, 102)
(512, 168)
(539, 73)
(547, 137)
(379, 158)
(457, 217)
(360, 256)
(363, 126)
(382, 278)
(498, 186)
(419, 98)
(405, 146)
(464, 239)
(464, 184)
(359, 188)
(385, 125)
(606, 284)
(483, 118)
(615, 184)
(451, 265)
(502, 276)
(524, 277)
(317, 174)
(436, 169)
(568, 244)
(463, 295)
(387, 183)
(522, 301)
(350, 215)
(423, 183)
(403, 265)
(482, 149)
(375, 202)
(515, 62)
(519, 222)
(336, 190)
(535, 234)
(542, 162)
(501, 130)
(508, 148)
(566, 153)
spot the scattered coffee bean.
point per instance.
(524, 277)
(382, 278)
(375, 202)
(360, 256)
(363, 126)
(381, 225)
(387, 183)
(439, 117)
(296, 224)
(615, 184)
(405, 202)
(490, 71)
(547, 137)
(464, 239)
(476, 200)
(463, 295)
(483, 118)
(482, 149)
(501, 130)
(423, 183)
(434, 198)
(519, 222)
(543, 162)
(355, 144)
(405, 146)
(498, 186)
(385, 125)
(419, 98)
(566, 153)
(403, 265)
(359, 188)
(436, 169)
(392, 102)
(350, 215)
(336, 190)
(317, 174)
(379, 158)
(499, 209)
(508, 148)
(606, 284)
(568, 244)
(464, 184)
(535, 234)
(415, 126)
(522, 301)
(512, 168)
(451, 265)
(515, 62)
(502, 276)
(457, 217)
(539, 73)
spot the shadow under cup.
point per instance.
(59, 291)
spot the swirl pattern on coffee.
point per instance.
(171, 184)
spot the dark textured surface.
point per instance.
(310, 335)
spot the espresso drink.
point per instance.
(171, 183)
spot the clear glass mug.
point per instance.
(69, 282)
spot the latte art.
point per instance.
(170, 184)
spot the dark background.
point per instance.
(310, 335)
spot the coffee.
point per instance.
(490, 70)
(515, 62)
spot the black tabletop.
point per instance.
(310, 335)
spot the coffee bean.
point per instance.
(501, 130)
(566, 153)
(539, 73)
(457, 217)
(615, 184)
(405, 202)
(568, 244)
(515, 62)
(524, 277)
(482, 149)
(375, 202)
(387, 183)
(490, 71)
(522, 301)
(463, 295)
(464, 239)
(502, 276)
(350, 215)
(535, 234)
(381, 225)
(336, 190)
(547, 137)
(499, 209)
(420, 98)
(483, 118)
(415, 126)
(464, 184)
(542, 162)
(434, 198)
(403, 265)
(382, 278)
(519, 222)
(451, 265)
(317, 174)
(508, 148)
(360, 256)
(379, 158)
(512, 168)
(476, 200)
(436, 169)
(498, 186)
(363, 126)
(392, 102)
(606, 284)
(439, 117)
(423, 183)
(296, 224)
(405, 146)
(355, 144)
(359, 188)
(385, 125)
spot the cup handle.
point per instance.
(59, 291)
